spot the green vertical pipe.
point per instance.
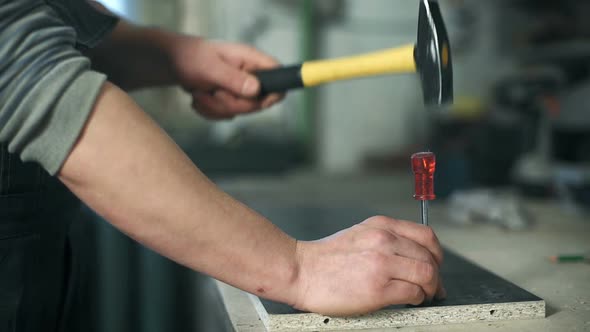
(306, 115)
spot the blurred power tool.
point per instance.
(430, 56)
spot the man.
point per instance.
(63, 115)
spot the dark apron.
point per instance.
(39, 271)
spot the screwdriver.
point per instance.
(423, 165)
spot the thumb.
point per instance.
(236, 81)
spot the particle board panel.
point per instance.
(474, 294)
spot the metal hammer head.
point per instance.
(433, 55)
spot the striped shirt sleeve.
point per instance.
(47, 88)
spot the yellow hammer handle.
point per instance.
(391, 61)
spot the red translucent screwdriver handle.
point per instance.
(423, 165)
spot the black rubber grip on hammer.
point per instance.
(279, 79)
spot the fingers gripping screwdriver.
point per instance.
(423, 165)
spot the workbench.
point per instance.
(518, 256)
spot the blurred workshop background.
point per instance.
(520, 124)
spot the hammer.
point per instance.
(430, 57)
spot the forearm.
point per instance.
(136, 57)
(130, 172)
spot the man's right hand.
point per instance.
(379, 262)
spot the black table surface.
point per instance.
(466, 283)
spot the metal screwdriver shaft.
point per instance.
(423, 166)
(424, 212)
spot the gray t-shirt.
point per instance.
(47, 88)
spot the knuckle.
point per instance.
(380, 238)
(382, 218)
(379, 220)
(376, 267)
(429, 235)
(414, 294)
(232, 105)
(246, 106)
(235, 105)
(375, 284)
(432, 241)
(427, 272)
